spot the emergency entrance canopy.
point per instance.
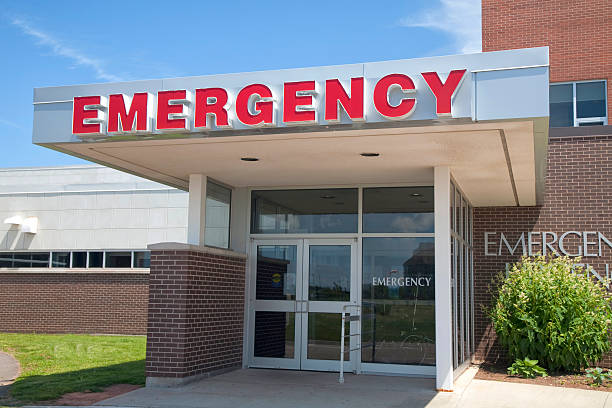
(483, 115)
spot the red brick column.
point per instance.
(196, 312)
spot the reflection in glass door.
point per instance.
(301, 287)
(274, 305)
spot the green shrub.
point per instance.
(526, 368)
(598, 375)
(543, 310)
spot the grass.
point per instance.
(53, 365)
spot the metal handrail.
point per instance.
(351, 318)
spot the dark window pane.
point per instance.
(118, 260)
(95, 259)
(561, 105)
(324, 331)
(218, 200)
(398, 209)
(276, 272)
(60, 260)
(79, 259)
(329, 273)
(398, 323)
(30, 260)
(304, 211)
(22, 260)
(274, 334)
(6, 260)
(591, 123)
(590, 99)
(142, 259)
(452, 208)
(458, 213)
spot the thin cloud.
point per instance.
(62, 50)
(11, 124)
(459, 18)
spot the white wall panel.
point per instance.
(89, 207)
(177, 217)
(176, 234)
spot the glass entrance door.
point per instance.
(299, 289)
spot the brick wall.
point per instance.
(578, 33)
(196, 311)
(101, 303)
(578, 197)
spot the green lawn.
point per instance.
(53, 365)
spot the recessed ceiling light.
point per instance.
(251, 159)
(366, 154)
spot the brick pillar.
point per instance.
(196, 312)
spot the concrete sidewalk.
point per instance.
(9, 371)
(301, 389)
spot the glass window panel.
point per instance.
(398, 322)
(398, 209)
(218, 203)
(471, 226)
(30, 260)
(118, 260)
(6, 260)
(452, 207)
(599, 123)
(591, 99)
(329, 273)
(454, 301)
(561, 105)
(467, 286)
(40, 259)
(324, 331)
(274, 334)
(304, 211)
(458, 212)
(464, 213)
(22, 260)
(95, 259)
(79, 259)
(60, 260)
(461, 300)
(142, 259)
(276, 272)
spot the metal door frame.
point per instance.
(301, 307)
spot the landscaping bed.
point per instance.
(55, 365)
(493, 372)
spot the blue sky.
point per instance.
(50, 43)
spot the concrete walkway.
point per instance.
(9, 371)
(300, 389)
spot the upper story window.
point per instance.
(578, 104)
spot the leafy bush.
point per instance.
(526, 368)
(598, 375)
(543, 310)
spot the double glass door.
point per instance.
(298, 290)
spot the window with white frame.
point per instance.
(75, 259)
(578, 104)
